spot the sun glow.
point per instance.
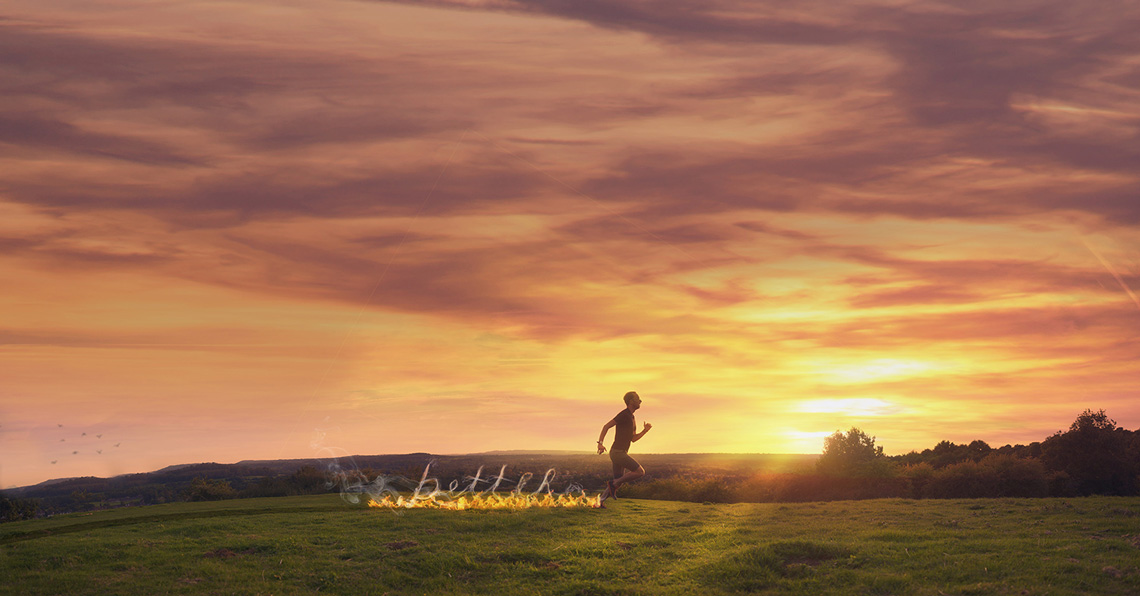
(805, 441)
(857, 406)
(875, 370)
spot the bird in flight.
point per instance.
(54, 460)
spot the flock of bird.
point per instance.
(98, 451)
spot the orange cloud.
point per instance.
(461, 226)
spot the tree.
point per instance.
(1099, 457)
(978, 449)
(852, 454)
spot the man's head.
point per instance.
(632, 401)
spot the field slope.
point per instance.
(303, 545)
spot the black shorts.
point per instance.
(622, 461)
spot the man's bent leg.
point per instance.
(628, 476)
(625, 462)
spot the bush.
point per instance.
(1061, 485)
(17, 509)
(309, 481)
(958, 481)
(1018, 477)
(994, 476)
(918, 477)
(203, 489)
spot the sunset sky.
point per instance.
(288, 229)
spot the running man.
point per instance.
(625, 467)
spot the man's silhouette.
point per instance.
(625, 467)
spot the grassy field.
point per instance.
(304, 545)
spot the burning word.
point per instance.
(429, 493)
(490, 502)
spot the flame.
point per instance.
(493, 501)
(428, 494)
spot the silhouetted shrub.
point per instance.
(308, 480)
(962, 480)
(919, 477)
(1061, 485)
(1017, 476)
(995, 476)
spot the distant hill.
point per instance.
(261, 478)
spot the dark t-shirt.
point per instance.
(624, 427)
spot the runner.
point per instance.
(625, 467)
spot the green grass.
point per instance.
(305, 545)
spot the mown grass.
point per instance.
(319, 544)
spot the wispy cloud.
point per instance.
(736, 206)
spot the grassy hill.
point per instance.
(302, 545)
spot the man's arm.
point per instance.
(602, 437)
(644, 430)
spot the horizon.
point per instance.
(472, 454)
(494, 452)
(289, 231)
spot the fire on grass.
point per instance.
(383, 492)
(511, 501)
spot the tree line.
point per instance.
(1093, 457)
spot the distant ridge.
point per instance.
(177, 467)
(288, 466)
(52, 482)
